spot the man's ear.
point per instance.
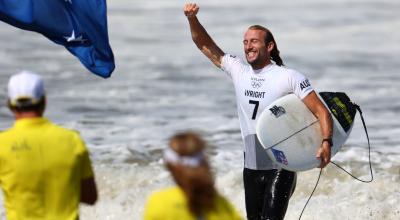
(10, 106)
(270, 46)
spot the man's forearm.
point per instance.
(326, 124)
(199, 35)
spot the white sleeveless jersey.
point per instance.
(255, 90)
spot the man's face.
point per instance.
(257, 53)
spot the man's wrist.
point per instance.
(191, 15)
(328, 140)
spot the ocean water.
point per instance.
(163, 84)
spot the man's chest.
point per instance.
(254, 93)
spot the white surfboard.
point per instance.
(291, 134)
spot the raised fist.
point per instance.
(191, 10)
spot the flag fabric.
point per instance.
(79, 25)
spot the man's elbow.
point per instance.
(88, 191)
(90, 200)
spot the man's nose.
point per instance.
(248, 46)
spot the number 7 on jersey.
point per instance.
(255, 103)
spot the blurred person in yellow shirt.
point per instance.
(45, 170)
(194, 197)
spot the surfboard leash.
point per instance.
(337, 165)
(312, 193)
(369, 152)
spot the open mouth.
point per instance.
(251, 54)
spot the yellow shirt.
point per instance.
(171, 204)
(41, 168)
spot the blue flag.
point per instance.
(79, 25)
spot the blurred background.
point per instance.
(163, 84)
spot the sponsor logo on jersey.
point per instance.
(23, 146)
(278, 111)
(254, 94)
(305, 84)
(256, 82)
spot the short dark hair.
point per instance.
(269, 38)
(25, 105)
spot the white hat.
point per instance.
(25, 85)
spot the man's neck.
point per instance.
(27, 115)
(261, 65)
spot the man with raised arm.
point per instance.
(259, 81)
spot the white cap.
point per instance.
(25, 85)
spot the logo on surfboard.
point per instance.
(278, 111)
(279, 156)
